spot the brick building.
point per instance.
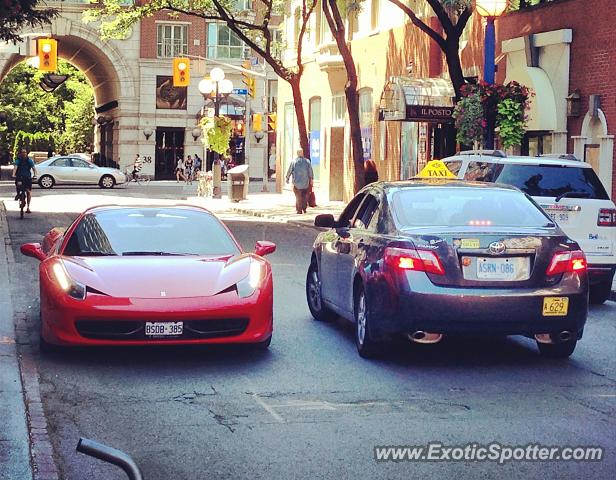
(137, 108)
(555, 48)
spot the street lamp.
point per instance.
(490, 9)
(217, 87)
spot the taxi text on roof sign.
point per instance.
(435, 169)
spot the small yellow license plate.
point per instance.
(555, 306)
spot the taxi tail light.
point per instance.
(607, 217)
(563, 262)
(413, 259)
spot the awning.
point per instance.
(542, 112)
(417, 99)
(232, 106)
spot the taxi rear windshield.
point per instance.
(461, 206)
(540, 180)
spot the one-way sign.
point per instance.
(240, 91)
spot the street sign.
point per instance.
(435, 169)
(254, 61)
(240, 91)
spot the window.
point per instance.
(315, 114)
(61, 162)
(225, 43)
(453, 166)
(366, 213)
(540, 180)
(272, 89)
(338, 110)
(78, 163)
(349, 212)
(452, 207)
(172, 40)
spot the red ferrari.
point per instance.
(151, 275)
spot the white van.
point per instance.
(568, 190)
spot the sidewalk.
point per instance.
(14, 439)
(274, 206)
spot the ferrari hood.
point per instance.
(156, 277)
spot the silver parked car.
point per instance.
(72, 170)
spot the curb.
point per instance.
(42, 463)
(276, 218)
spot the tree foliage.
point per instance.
(17, 14)
(67, 113)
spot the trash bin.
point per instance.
(237, 183)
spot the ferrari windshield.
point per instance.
(150, 231)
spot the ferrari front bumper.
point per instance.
(103, 320)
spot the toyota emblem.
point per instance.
(497, 248)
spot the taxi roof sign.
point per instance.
(435, 169)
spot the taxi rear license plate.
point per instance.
(497, 268)
(555, 306)
(164, 329)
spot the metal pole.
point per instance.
(216, 169)
(488, 76)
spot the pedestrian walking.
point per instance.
(189, 165)
(197, 164)
(301, 171)
(179, 169)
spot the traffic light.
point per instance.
(47, 49)
(248, 79)
(257, 122)
(181, 72)
(271, 122)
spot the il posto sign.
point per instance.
(427, 113)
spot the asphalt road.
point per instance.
(310, 407)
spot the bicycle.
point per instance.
(140, 180)
(21, 197)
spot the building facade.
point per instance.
(138, 111)
(564, 56)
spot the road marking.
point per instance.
(607, 395)
(269, 409)
(307, 405)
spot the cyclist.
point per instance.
(23, 168)
(137, 167)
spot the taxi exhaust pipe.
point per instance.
(420, 336)
(563, 336)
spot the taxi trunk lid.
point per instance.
(482, 258)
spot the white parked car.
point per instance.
(568, 190)
(72, 170)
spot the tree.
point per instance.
(17, 14)
(331, 10)
(117, 21)
(453, 16)
(67, 113)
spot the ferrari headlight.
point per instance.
(247, 286)
(72, 288)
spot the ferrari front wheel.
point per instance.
(48, 348)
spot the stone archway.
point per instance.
(596, 146)
(110, 66)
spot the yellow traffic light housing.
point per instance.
(271, 122)
(248, 79)
(181, 72)
(257, 122)
(47, 50)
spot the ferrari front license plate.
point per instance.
(555, 306)
(164, 329)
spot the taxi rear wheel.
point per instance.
(557, 350)
(367, 346)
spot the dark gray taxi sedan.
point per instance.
(427, 258)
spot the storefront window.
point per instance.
(365, 121)
(315, 136)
